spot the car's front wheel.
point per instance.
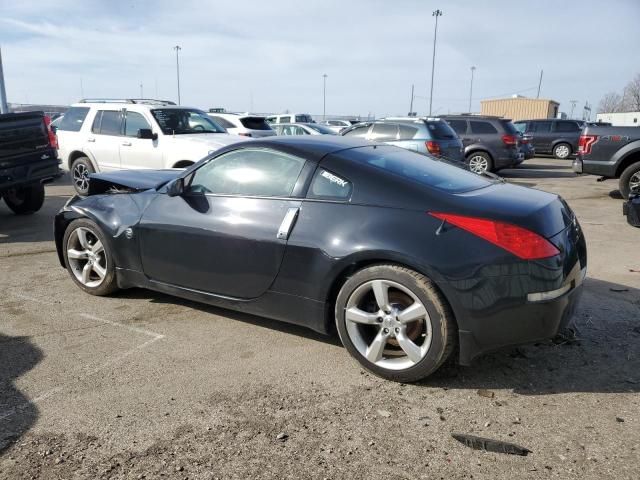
(395, 322)
(630, 179)
(88, 258)
(562, 151)
(80, 171)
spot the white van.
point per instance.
(290, 118)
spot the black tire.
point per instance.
(478, 158)
(25, 200)
(81, 168)
(630, 177)
(443, 326)
(562, 151)
(108, 284)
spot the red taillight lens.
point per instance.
(521, 242)
(510, 140)
(585, 142)
(433, 147)
(53, 139)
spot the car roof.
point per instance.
(310, 147)
(133, 105)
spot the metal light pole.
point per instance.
(324, 95)
(473, 69)
(437, 13)
(177, 48)
(4, 108)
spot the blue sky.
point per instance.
(271, 54)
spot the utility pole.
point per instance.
(177, 48)
(411, 104)
(81, 89)
(437, 13)
(324, 95)
(539, 84)
(4, 108)
(573, 105)
(473, 69)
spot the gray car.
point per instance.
(490, 143)
(550, 136)
(302, 129)
(430, 136)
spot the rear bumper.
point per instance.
(29, 173)
(594, 167)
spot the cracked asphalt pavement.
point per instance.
(142, 385)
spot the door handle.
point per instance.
(126, 144)
(287, 223)
(91, 140)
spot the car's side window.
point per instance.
(459, 126)
(407, 132)
(329, 186)
(521, 126)
(567, 127)
(135, 122)
(541, 127)
(384, 132)
(73, 119)
(108, 122)
(285, 119)
(249, 172)
(482, 127)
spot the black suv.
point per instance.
(551, 136)
(490, 143)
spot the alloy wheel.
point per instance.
(81, 176)
(478, 164)
(634, 182)
(388, 324)
(87, 257)
(562, 151)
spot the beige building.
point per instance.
(520, 108)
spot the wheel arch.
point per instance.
(76, 154)
(629, 159)
(478, 149)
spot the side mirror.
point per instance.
(176, 188)
(147, 133)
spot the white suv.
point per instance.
(106, 135)
(240, 124)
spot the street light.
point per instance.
(324, 95)
(437, 13)
(4, 108)
(473, 69)
(177, 48)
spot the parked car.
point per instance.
(553, 137)
(104, 135)
(302, 129)
(338, 125)
(379, 242)
(424, 135)
(631, 208)
(290, 118)
(28, 160)
(526, 146)
(610, 152)
(490, 143)
(246, 125)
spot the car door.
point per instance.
(138, 153)
(542, 136)
(227, 233)
(103, 142)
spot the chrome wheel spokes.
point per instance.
(478, 164)
(388, 324)
(87, 257)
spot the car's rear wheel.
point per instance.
(80, 171)
(479, 162)
(395, 322)
(88, 259)
(562, 151)
(630, 179)
(25, 200)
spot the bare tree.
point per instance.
(610, 103)
(631, 97)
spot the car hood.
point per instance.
(209, 141)
(130, 180)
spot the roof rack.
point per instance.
(146, 101)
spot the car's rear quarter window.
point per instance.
(73, 119)
(255, 123)
(440, 130)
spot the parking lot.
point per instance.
(142, 385)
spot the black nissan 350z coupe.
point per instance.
(409, 257)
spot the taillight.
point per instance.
(53, 139)
(521, 242)
(433, 147)
(510, 140)
(585, 142)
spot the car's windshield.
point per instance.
(180, 121)
(321, 129)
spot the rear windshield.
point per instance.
(303, 119)
(73, 119)
(255, 123)
(419, 168)
(509, 127)
(440, 130)
(182, 121)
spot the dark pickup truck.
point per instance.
(28, 160)
(610, 152)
